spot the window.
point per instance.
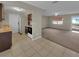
(75, 20)
(54, 22)
(57, 22)
(75, 23)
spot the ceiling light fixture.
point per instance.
(56, 14)
(18, 9)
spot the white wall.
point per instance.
(23, 19)
(36, 17)
(66, 23)
(44, 21)
(24, 22)
(36, 24)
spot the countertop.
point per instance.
(5, 29)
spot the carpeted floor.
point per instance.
(67, 39)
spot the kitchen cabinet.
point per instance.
(1, 11)
(5, 40)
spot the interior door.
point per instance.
(13, 21)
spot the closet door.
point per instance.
(13, 22)
(0, 11)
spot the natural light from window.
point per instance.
(75, 31)
(57, 22)
(75, 20)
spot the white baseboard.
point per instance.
(36, 37)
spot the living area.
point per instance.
(40, 29)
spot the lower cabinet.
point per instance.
(5, 41)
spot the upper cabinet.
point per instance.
(1, 11)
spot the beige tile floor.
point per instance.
(23, 46)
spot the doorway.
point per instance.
(15, 22)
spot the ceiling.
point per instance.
(49, 7)
(16, 7)
(41, 4)
(60, 7)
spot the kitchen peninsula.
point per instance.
(5, 38)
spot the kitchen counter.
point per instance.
(5, 29)
(5, 38)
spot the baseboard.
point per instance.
(36, 37)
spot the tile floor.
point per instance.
(25, 47)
